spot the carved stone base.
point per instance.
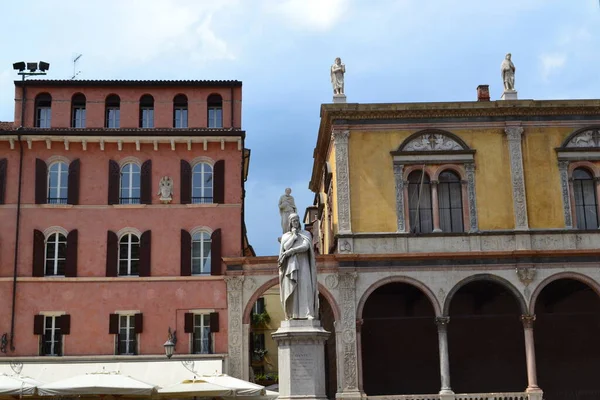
(339, 98)
(509, 95)
(301, 358)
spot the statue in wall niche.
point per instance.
(337, 76)
(287, 206)
(508, 73)
(165, 189)
(298, 273)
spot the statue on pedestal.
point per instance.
(287, 206)
(508, 73)
(298, 273)
(337, 76)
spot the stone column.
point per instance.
(514, 135)
(235, 330)
(435, 206)
(532, 385)
(597, 182)
(442, 325)
(563, 170)
(471, 196)
(398, 172)
(342, 174)
(346, 347)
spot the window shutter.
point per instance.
(186, 253)
(114, 178)
(41, 181)
(185, 185)
(113, 324)
(219, 182)
(214, 322)
(39, 248)
(139, 323)
(3, 165)
(146, 183)
(71, 264)
(188, 322)
(145, 253)
(38, 324)
(64, 323)
(215, 252)
(112, 254)
(73, 189)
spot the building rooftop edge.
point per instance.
(128, 82)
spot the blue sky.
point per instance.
(394, 51)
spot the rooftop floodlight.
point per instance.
(44, 66)
(19, 66)
(32, 66)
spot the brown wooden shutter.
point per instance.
(39, 249)
(64, 323)
(188, 322)
(41, 181)
(38, 324)
(113, 323)
(73, 189)
(214, 321)
(139, 323)
(215, 252)
(145, 253)
(71, 264)
(186, 253)
(185, 185)
(146, 183)
(219, 182)
(3, 166)
(114, 179)
(112, 254)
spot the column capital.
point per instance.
(340, 135)
(528, 321)
(442, 322)
(514, 132)
(563, 165)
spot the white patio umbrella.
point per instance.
(17, 385)
(195, 388)
(239, 386)
(97, 383)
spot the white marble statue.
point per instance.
(337, 76)
(287, 206)
(298, 273)
(508, 73)
(165, 189)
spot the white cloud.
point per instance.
(318, 15)
(552, 63)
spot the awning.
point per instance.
(97, 383)
(240, 387)
(195, 388)
(17, 385)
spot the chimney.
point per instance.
(483, 93)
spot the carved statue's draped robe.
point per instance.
(337, 77)
(508, 74)
(287, 206)
(298, 277)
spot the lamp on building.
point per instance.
(170, 343)
(19, 66)
(44, 66)
(32, 69)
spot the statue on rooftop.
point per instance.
(508, 73)
(337, 76)
(287, 206)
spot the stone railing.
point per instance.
(469, 396)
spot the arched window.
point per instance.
(130, 184)
(586, 203)
(78, 111)
(113, 111)
(201, 253)
(450, 202)
(419, 202)
(58, 180)
(215, 111)
(56, 254)
(180, 111)
(202, 183)
(147, 111)
(129, 255)
(43, 104)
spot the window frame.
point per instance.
(129, 259)
(59, 186)
(131, 337)
(202, 188)
(112, 112)
(421, 197)
(593, 180)
(205, 261)
(78, 111)
(43, 111)
(180, 106)
(146, 105)
(130, 184)
(204, 324)
(55, 258)
(440, 184)
(214, 111)
(54, 341)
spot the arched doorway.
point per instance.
(264, 317)
(566, 332)
(485, 339)
(399, 342)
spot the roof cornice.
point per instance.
(116, 82)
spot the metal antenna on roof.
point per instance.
(75, 72)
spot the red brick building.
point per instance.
(118, 200)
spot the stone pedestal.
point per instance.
(301, 357)
(339, 98)
(509, 95)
